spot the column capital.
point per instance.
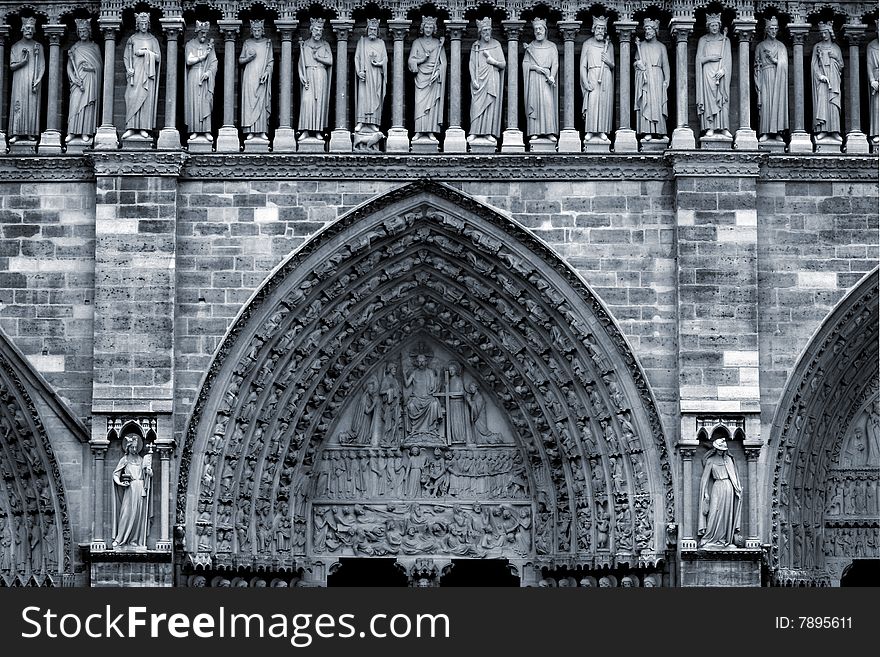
(625, 29)
(744, 29)
(99, 447)
(109, 27)
(229, 28)
(512, 28)
(752, 452)
(399, 28)
(172, 27)
(798, 31)
(569, 29)
(342, 28)
(455, 29)
(54, 32)
(681, 28)
(286, 27)
(854, 33)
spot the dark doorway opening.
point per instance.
(367, 572)
(479, 572)
(862, 572)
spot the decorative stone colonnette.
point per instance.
(518, 86)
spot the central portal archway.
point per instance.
(424, 379)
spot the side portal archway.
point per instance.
(424, 378)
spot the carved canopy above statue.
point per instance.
(425, 377)
(826, 439)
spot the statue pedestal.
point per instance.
(311, 145)
(256, 145)
(512, 142)
(106, 138)
(398, 141)
(733, 567)
(483, 146)
(424, 146)
(596, 145)
(800, 143)
(50, 143)
(717, 143)
(655, 145)
(169, 139)
(79, 146)
(542, 145)
(745, 140)
(569, 141)
(284, 141)
(196, 144)
(625, 141)
(130, 568)
(227, 140)
(772, 145)
(682, 140)
(3, 147)
(340, 141)
(875, 144)
(856, 142)
(455, 141)
(137, 144)
(828, 145)
(23, 147)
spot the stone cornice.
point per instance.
(138, 163)
(60, 169)
(714, 163)
(820, 167)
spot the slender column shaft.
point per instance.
(687, 475)
(745, 101)
(100, 487)
(854, 104)
(569, 32)
(512, 30)
(229, 33)
(286, 77)
(752, 461)
(454, 30)
(399, 31)
(623, 75)
(172, 33)
(109, 31)
(4, 31)
(342, 30)
(681, 76)
(164, 460)
(798, 32)
(53, 114)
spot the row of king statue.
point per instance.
(429, 67)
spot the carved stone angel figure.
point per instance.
(131, 482)
(84, 70)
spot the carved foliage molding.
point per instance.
(442, 267)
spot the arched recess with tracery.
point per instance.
(825, 449)
(301, 443)
(36, 547)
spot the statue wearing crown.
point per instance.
(132, 478)
(28, 64)
(201, 76)
(597, 82)
(651, 84)
(713, 70)
(315, 61)
(258, 60)
(84, 71)
(872, 56)
(541, 85)
(771, 83)
(486, 66)
(371, 80)
(143, 60)
(427, 61)
(827, 70)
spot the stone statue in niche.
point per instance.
(315, 61)
(371, 71)
(366, 424)
(827, 69)
(481, 433)
(771, 83)
(456, 411)
(390, 398)
(713, 70)
(143, 58)
(424, 413)
(872, 432)
(651, 84)
(597, 82)
(84, 70)
(201, 76)
(486, 66)
(873, 66)
(28, 64)
(720, 498)
(540, 84)
(132, 508)
(427, 61)
(258, 60)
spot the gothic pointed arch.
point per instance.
(825, 447)
(377, 307)
(36, 546)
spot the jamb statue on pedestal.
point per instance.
(827, 69)
(28, 64)
(486, 68)
(315, 61)
(771, 84)
(142, 58)
(84, 70)
(132, 508)
(597, 82)
(427, 61)
(258, 60)
(540, 85)
(651, 84)
(201, 76)
(713, 68)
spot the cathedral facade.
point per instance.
(439, 294)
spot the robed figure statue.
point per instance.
(873, 62)
(427, 60)
(827, 68)
(771, 83)
(371, 78)
(651, 83)
(315, 60)
(597, 82)
(201, 76)
(28, 64)
(720, 498)
(713, 70)
(143, 59)
(541, 88)
(258, 60)
(486, 66)
(84, 70)
(132, 479)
